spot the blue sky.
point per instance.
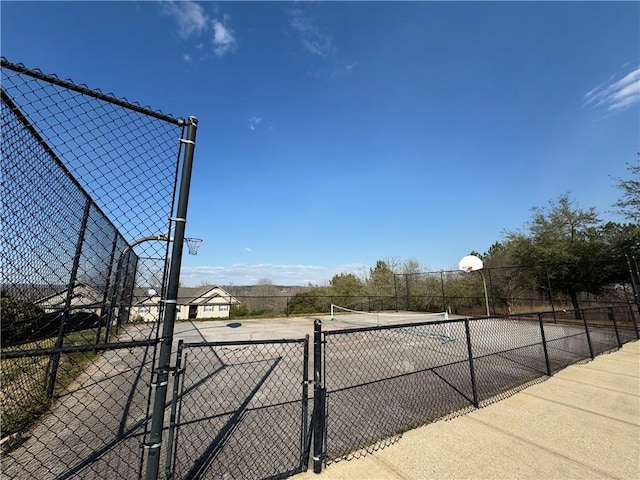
(334, 134)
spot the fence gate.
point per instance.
(239, 410)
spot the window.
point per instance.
(224, 308)
(208, 308)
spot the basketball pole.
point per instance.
(486, 297)
(472, 263)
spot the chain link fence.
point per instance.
(85, 176)
(241, 410)
(380, 381)
(89, 200)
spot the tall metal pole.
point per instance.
(444, 301)
(486, 297)
(553, 308)
(162, 372)
(318, 398)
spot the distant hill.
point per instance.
(265, 290)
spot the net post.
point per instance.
(157, 419)
(447, 328)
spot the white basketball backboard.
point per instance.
(470, 263)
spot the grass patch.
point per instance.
(23, 381)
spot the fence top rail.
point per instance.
(85, 90)
(390, 327)
(617, 305)
(231, 343)
(43, 352)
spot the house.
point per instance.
(193, 303)
(84, 298)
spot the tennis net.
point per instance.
(357, 318)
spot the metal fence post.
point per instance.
(632, 315)
(586, 329)
(474, 386)
(444, 299)
(544, 344)
(174, 412)
(635, 279)
(318, 403)
(612, 317)
(406, 282)
(395, 289)
(103, 309)
(553, 308)
(55, 359)
(127, 292)
(306, 434)
(164, 361)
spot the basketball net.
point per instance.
(193, 244)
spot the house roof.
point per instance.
(82, 294)
(189, 295)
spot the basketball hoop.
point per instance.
(193, 244)
(466, 269)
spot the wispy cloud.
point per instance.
(344, 69)
(193, 22)
(616, 94)
(254, 122)
(247, 250)
(223, 38)
(313, 39)
(279, 274)
(190, 17)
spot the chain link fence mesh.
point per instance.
(241, 410)
(89, 183)
(381, 381)
(84, 176)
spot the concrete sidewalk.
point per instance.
(582, 423)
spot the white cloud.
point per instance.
(313, 39)
(223, 39)
(616, 95)
(190, 17)
(343, 69)
(247, 250)
(254, 122)
(193, 22)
